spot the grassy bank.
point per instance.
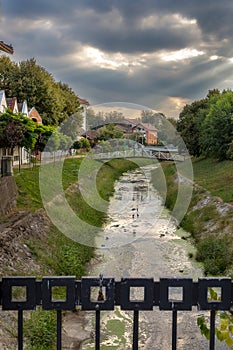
(58, 254)
(215, 176)
(207, 219)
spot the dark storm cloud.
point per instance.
(124, 26)
(93, 27)
(133, 39)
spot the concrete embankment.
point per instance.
(8, 191)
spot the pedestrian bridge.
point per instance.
(141, 151)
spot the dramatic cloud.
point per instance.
(157, 53)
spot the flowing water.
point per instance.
(141, 240)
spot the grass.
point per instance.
(215, 176)
(56, 253)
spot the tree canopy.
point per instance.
(27, 80)
(18, 130)
(109, 132)
(206, 126)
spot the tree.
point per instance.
(70, 102)
(217, 128)
(16, 130)
(151, 117)
(29, 81)
(82, 143)
(109, 132)
(43, 134)
(94, 119)
(189, 125)
(113, 117)
(8, 70)
(71, 126)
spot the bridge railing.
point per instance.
(157, 295)
(132, 152)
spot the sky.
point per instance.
(161, 54)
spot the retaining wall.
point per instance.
(8, 194)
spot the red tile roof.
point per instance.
(83, 101)
(6, 48)
(34, 115)
(148, 126)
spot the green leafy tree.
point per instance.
(189, 125)
(217, 127)
(43, 133)
(85, 143)
(72, 126)
(8, 71)
(82, 143)
(70, 102)
(16, 130)
(94, 119)
(113, 117)
(29, 81)
(109, 132)
(151, 117)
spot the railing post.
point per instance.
(97, 330)
(20, 329)
(212, 329)
(59, 329)
(174, 329)
(135, 329)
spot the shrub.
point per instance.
(215, 254)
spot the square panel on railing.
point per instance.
(214, 293)
(58, 293)
(96, 294)
(175, 294)
(137, 293)
(18, 293)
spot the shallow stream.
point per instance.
(141, 240)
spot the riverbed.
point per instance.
(141, 239)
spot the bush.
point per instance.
(215, 254)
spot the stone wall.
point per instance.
(8, 194)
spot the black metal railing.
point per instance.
(155, 294)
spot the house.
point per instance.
(3, 103)
(23, 108)
(84, 104)
(20, 154)
(12, 104)
(35, 116)
(148, 131)
(131, 126)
